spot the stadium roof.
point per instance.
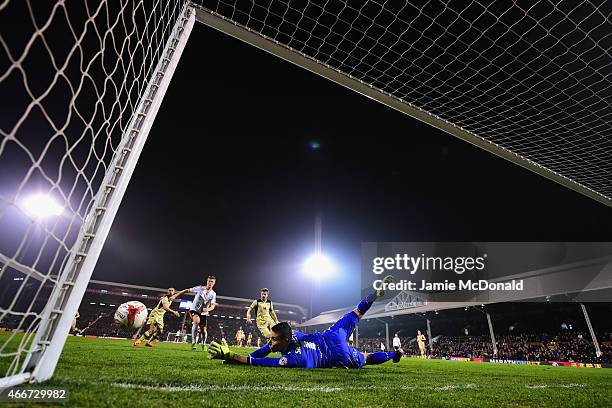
(584, 281)
(380, 310)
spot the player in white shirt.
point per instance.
(204, 302)
(397, 343)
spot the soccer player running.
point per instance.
(266, 316)
(204, 302)
(156, 319)
(316, 350)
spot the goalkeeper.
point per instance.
(315, 350)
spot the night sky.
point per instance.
(228, 183)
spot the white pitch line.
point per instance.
(541, 386)
(207, 388)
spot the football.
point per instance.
(131, 315)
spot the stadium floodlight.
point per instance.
(41, 206)
(317, 266)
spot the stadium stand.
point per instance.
(524, 331)
(565, 346)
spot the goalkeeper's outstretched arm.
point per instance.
(248, 360)
(261, 352)
(223, 352)
(239, 359)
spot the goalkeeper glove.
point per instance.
(220, 351)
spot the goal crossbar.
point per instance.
(279, 49)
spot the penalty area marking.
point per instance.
(541, 386)
(208, 388)
(324, 389)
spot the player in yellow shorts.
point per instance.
(266, 317)
(421, 343)
(74, 329)
(240, 337)
(156, 319)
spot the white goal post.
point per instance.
(68, 147)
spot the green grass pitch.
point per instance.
(101, 372)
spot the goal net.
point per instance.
(80, 84)
(81, 81)
(526, 80)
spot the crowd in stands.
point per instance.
(372, 344)
(566, 346)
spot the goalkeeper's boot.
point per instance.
(137, 343)
(387, 279)
(398, 356)
(150, 345)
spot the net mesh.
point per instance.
(71, 77)
(531, 77)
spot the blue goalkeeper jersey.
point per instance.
(304, 350)
(316, 350)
